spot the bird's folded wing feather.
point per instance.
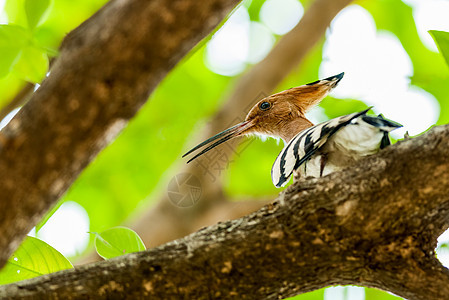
(304, 145)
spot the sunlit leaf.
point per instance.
(36, 12)
(442, 40)
(32, 65)
(8, 58)
(21, 55)
(12, 40)
(33, 258)
(14, 36)
(14, 10)
(118, 241)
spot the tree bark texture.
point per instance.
(105, 72)
(374, 224)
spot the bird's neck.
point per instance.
(292, 128)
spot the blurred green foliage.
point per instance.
(43, 28)
(36, 12)
(129, 174)
(24, 56)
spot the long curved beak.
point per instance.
(220, 138)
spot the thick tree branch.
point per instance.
(375, 224)
(106, 70)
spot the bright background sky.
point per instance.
(377, 71)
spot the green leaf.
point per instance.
(8, 59)
(12, 39)
(36, 12)
(33, 258)
(442, 40)
(14, 36)
(21, 55)
(32, 65)
(117, 241)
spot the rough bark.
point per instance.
(106, 70)
(164, 222)
(375, 224)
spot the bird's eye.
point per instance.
(264, 105)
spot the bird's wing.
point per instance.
(304, 145)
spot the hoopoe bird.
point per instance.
(309, 150)
(331, 146)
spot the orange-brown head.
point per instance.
(279, 115)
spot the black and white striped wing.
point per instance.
(304, 145)
(384, 125)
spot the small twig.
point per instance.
(22, 96)
(19, 100)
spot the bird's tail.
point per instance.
(383, 124)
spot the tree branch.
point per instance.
(375, 224)
(106, 70)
